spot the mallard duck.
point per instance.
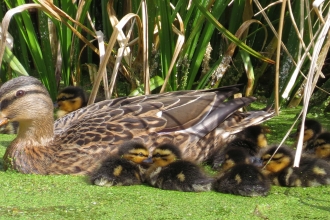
(70, 99)
(312, 129)
(170, 172)
(122, 169)
(239, 176)
(321, 146)
(198, 122)
(311, 171)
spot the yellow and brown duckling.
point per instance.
(70, 99)
(250, 147)
(10, 128)
(124, 169)
(312, 129)
(256, 134)
(170, 172)
(279, 168)
(252, 139)
(198, 122)
(239, 176)
(321, 146)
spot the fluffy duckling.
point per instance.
(250, 147)
(10, 128)
(239, 177)
(123, 169)
(256, 134)
(311, 130)
(70, 99)
(321, 146)
(170, 172)
(311, 171)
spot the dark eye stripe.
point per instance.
(159, 155)
(6, 102)
(137, 154)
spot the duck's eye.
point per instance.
(140, 154)
(20, 93)
(156, 155)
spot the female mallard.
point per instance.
(198, 122)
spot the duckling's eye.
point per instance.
(156, 155)
(140, 155)
(20, 93)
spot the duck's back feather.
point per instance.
(183, 118)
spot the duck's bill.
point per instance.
(3, 121)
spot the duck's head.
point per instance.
(165, 154)
(322, 145)
(281, 159)
(70, 99)
(24, 99)
(133, 151)
(312, 128)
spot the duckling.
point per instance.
(311, 171)
(311, 130)
(256, 134)
(321, 146)
(70, 99)
(122, 169)
(250, 147)
(170, 172)
(239, 176)
(10, 128)
(252, 138)
(198, 122)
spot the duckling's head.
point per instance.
(70, 99)
(24, 99)
(236, 155)
(165, 154)
(311, 130)
(256, 134)
(281, 160)
(322, 145)
(133, 151)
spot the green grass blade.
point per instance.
(229, 35)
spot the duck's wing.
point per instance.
(194, 112)
(176, 99)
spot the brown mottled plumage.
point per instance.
(198, 122)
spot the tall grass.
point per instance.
(180, 45)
